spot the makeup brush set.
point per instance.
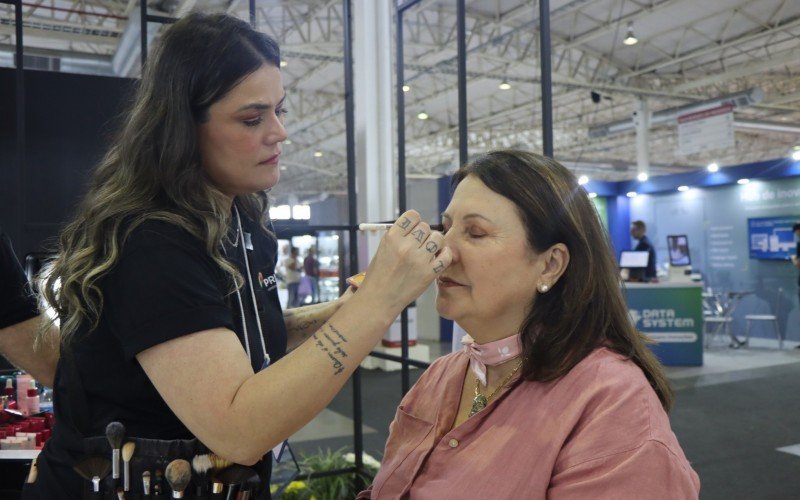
(136, 468)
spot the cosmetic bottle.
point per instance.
(32, 403)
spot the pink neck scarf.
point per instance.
(491, 354)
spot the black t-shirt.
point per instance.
(645, 246)
(165, 285)
(16, 303)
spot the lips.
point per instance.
(445, 282)
(271, 160)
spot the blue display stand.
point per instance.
(671, 314)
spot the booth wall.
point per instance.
(69, 120)
(715, 220)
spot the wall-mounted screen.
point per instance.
(678, 246)
(772, 237)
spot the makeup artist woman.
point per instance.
(557, 397)
(170, 320)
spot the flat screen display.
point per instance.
(678, 246)
(633, 260)
(772, 237)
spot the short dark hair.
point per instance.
(796, 227)
(638, 224)
(585, 308)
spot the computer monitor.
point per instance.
(633, 260)
(678, 249)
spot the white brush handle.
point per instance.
(115, 464)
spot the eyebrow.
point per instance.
(261, 107)
(468, 216)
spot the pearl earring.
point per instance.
(543, 288)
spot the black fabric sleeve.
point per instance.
(17, 303)
(164, 286)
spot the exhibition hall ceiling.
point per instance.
(689, 52)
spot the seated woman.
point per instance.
(558, 395)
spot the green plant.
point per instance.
(340, 486)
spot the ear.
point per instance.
(555, 260)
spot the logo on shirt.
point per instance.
(268, 282)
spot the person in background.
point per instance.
(164, 283)
(292, 266)
(648, 274)
(311, 268)
(556, 394)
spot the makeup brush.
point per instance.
(146, 483)
(120, 493)
(248, 488)
(33, 473)
(201, 465)
(233, 477)
(93, 469)
(127, 452)
(157, 482)
(115, 433)
(218, 464)
(178, 473)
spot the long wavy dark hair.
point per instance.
(152, 169)
(585, 308)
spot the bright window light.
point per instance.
(301, 212)
(280, 212)
(583, 180)
(713, 167)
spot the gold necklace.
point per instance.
(480, 401)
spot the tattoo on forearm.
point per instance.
(405, 223)
(439, 267)
(431, 247)
(329, 340)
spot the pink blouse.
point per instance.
(599, 432)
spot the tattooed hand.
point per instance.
(409, 258)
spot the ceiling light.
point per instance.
(583, 180)
(743, 181)
(406, 88)
(284, 64)
(422, 115)
(283, 167)
(287, 141)
(504, 85)
(632, 194)
(796, 153)
(642, 177)
(592, 195)
(683, 189)
(317, 154)
(630, 38)
(713, 167)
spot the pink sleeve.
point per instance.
(649, 471)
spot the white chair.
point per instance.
(773, 318)
(716, 319)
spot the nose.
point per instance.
(450, 242)
(276, 131)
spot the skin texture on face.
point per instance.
(240, 142)
(637, 232)
(493, 277)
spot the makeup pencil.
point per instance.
(368, 226)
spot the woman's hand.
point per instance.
(409, 257)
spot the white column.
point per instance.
(641, 119)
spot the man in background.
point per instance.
(311, 268)
(648, 274)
